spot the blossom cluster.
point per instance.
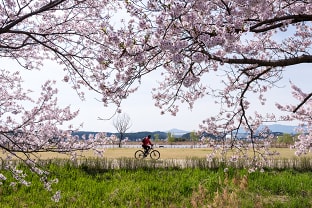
(244, 45)
(230, 51)
(29, 126)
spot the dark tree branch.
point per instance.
(277, 22)
(273, 63)
(303, 102)
(48, 6)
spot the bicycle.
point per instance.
(154, 154)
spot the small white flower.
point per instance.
(56, 197)
(251, 170)
(2, 177)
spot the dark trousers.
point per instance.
(146, 148)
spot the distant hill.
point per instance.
(136, 136)
(140, 135)
(282, 128)
(277, 128)
(178, 133)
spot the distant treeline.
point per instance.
(131, 136)
(136, 136)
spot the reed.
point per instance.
(300, 164)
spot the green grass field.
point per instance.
(93, 186)
(119, 180)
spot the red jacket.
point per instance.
(146, 141)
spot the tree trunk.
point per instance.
(121, 136)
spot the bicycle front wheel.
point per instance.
(155, 155)
(139, 154)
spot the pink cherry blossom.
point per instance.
(245, 44)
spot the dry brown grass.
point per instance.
(165, 153)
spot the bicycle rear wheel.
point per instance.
(139, 154)
(155, 155)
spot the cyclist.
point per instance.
(145, 144)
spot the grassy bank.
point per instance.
(93, 184)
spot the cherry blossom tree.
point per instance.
(248, 43)
(67, 32)
(29, 127)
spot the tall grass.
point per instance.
(145, 183)
(296, 163)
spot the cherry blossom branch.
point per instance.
(302, 103)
